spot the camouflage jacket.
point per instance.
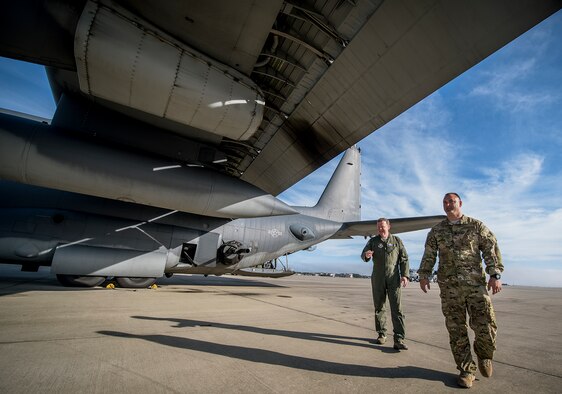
(389, 257)
(461, 247)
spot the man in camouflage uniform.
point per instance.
(461, 242)
(390, 270)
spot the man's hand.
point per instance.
(424, 285)
(404, 281)
(368, 254)
(495, 285)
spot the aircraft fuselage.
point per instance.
(113, 238)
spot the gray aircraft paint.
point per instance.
(337, 203)
(163, 76)
(39, 154)
(320, 101)
(85, 235)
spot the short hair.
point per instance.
(454, 194)
(383, 220)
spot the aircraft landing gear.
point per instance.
(92, 281)
(80, 281)
(135, 283)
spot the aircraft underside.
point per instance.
(93, 240)
(178, 124)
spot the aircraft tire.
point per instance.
(80, 281)
(135, 283)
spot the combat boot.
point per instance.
(465, 379)
(400, 345)
(485, 366)
(381, 340)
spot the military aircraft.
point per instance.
(86, 239)
(177, 123)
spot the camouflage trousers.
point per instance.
(458, 299)
(380, 293)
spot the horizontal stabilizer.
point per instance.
(400, 225)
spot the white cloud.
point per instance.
(497, 86)
(407, 163)
(511, 84)
(307, 192)
(412, 162)
(529, 275)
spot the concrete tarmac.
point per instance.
(298, 334)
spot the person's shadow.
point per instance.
(277, 358)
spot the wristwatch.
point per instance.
(496, 276)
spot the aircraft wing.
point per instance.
(401, 225)
(264, 91)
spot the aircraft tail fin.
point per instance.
(341, 199)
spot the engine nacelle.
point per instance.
(123, 58)
(100, 261)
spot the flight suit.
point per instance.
(462, 284)
(390, 262)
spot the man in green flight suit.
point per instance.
(461, 242)
(390, 270)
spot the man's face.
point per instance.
(383, 227)
(451, 204)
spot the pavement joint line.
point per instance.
(252, 373)
(49, 340)
(366, 328)
(39, 279)
(138, 375)
(110, 363)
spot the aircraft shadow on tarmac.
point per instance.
(277, 358)
(13, 281)
(227, 280)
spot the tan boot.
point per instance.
(465, 379)
(381, 340)
(485, 366)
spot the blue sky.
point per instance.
(494, 135)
